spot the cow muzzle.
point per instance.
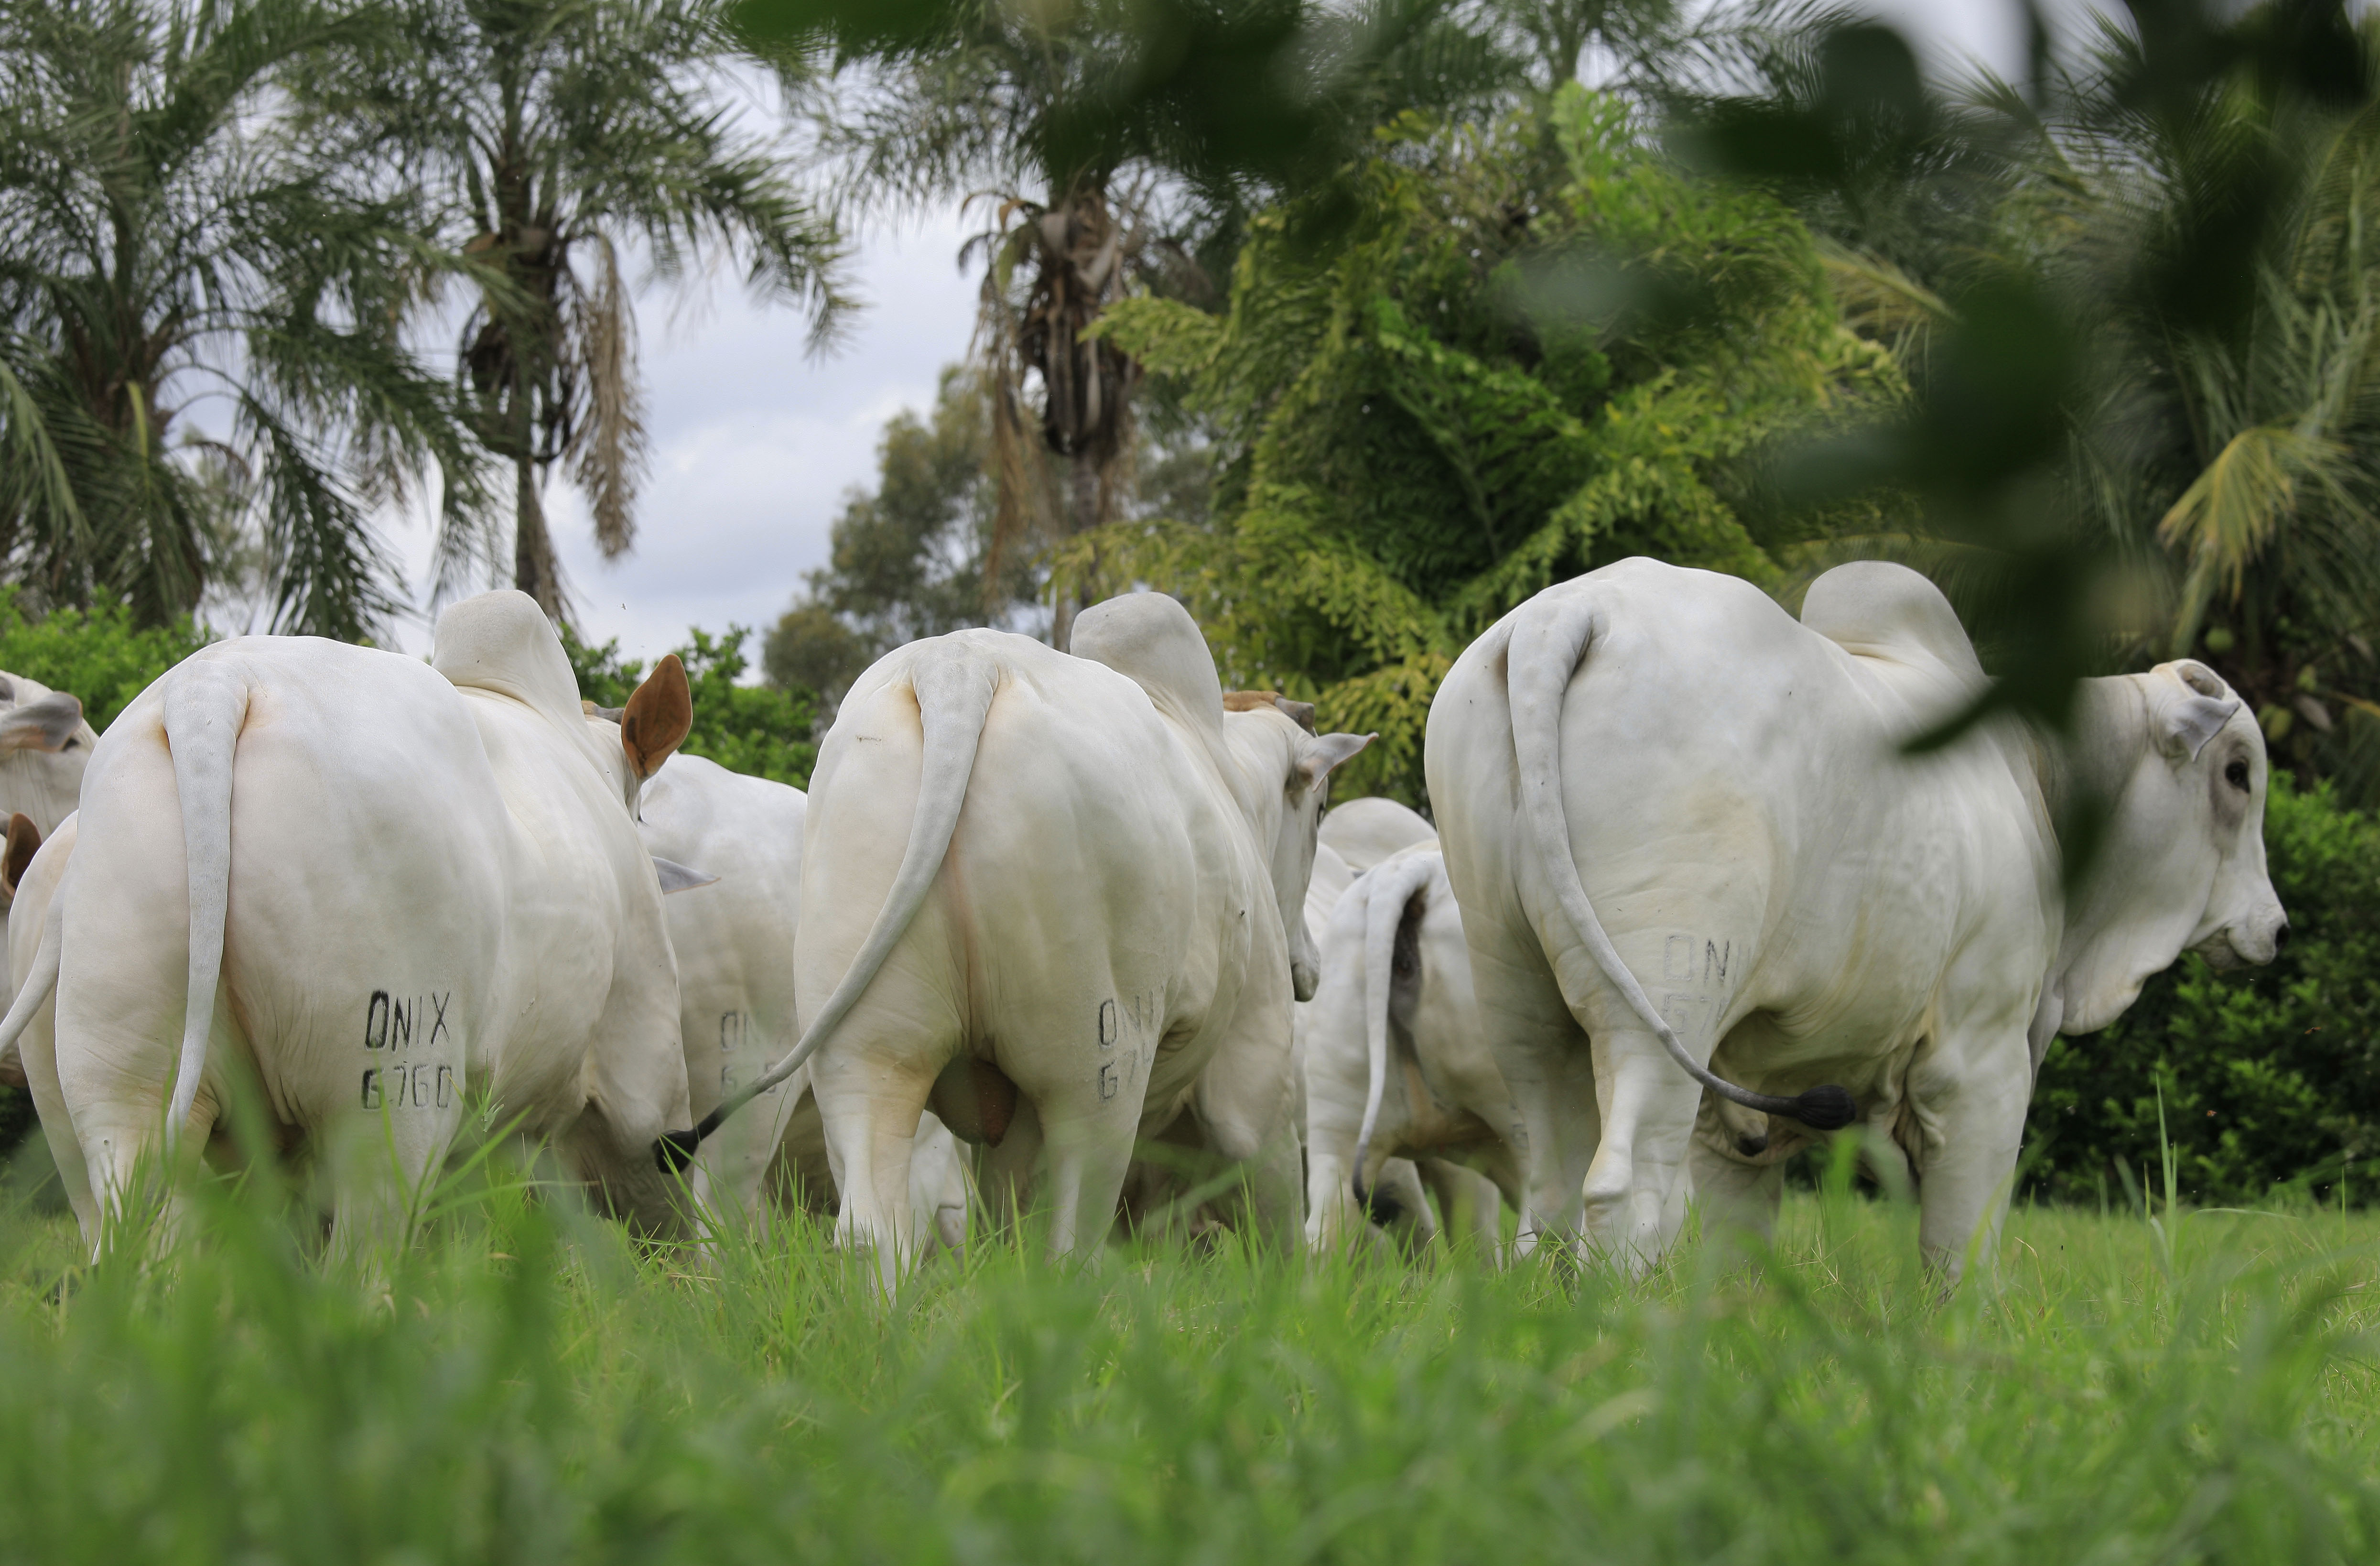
(2250, 943)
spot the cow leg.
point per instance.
(1245, 1106)
(112, 1085)
(1087, 1148)
(1334, 1117)
(1081, 1074)
(1469, 1205)
(1969, 1095)
(1735, 1195)
(1409, 1224)
(1545, 1061)
(1633, 1198)
(726, 1180)
(38, 1048)
(938, 1185)
(387, 1161)
(870, 1099)
(1009, 1167)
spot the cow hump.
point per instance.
(1150, 639)
(1874, 609)
(503, 642)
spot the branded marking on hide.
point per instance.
(390, 1020)
(734, 1030)
(428, 1085)
(1683, 965)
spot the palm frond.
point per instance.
(610, 440)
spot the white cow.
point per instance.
(1355, 837)
(1396, 1064)
(1059, 901)
(44, 745)
(733, 928)
(1365, 832)
(1683, 823)
(378, 890)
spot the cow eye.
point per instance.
(2236, 774)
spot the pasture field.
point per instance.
(527, 1386)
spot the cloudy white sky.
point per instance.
(754, 445)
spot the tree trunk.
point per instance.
(534, 570)
(1082, 516)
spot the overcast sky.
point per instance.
(754, 445)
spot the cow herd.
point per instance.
(1072, 930)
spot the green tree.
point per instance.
(554, 135)
(200, 315)
(1115, 140)
(1543, 346)
(2140, 293)
(761, 731)
(910, 559)
(2242, 447)
(99, 655)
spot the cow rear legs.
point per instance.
(1545, 1061)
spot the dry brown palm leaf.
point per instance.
(608, 443)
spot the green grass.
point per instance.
(528, 1387)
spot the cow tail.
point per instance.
(1550, 640)
(206, 704)
(954, 689)
(1392, 887)
(43, 979)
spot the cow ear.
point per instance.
(2185, 726)
(24, 842)
(676, 877)
(47, 725)
(1319, 756)
(655, 722)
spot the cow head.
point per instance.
(44, 745)
(2181, 863)
(1283, 743)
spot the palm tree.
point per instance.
(2237, 441)
(201, 318)
(1112, 140)
(559, 134)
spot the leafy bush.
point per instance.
(1495, 384)
(762, 730)
(2270, 1077)
(99, 654)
